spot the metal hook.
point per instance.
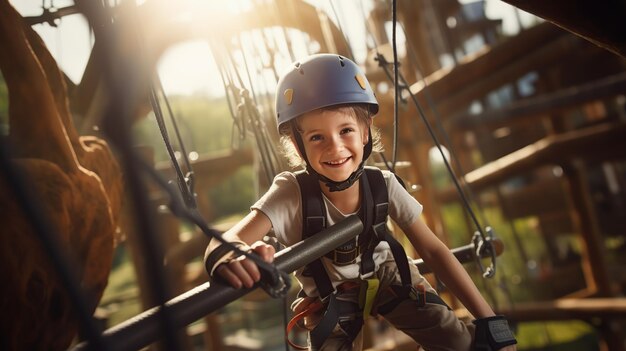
(483, 248)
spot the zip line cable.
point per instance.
(480, 237)
(464, 190)
(396, 89)
(247, 107)
(344, 35)
(375, 48)
(437, 116)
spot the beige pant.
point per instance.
(433, 326)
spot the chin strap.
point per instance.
(331, 184)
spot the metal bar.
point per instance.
(186, 308)
(464, 254)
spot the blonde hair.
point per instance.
(358, 111)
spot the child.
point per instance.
(325, 107)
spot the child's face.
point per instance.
(333, 141)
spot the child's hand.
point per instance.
(242, 272)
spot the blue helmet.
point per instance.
(324, 80)
(321, 80)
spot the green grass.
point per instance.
(553, 336)
(121, 296)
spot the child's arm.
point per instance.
(447, 268)
(240, 272)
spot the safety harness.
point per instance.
(373, 214)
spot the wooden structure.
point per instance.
(57, 189)
(536, 122)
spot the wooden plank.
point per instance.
(540, 106)
(522, 202)
(473, 68)
(596, 143)
(567, 308)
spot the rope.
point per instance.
(464, 190)
(185, 181)
(343, 34)
(433, 108)
(395, 84)
(489, 271)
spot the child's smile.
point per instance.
(337, 163)
(333, 140)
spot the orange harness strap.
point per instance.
(310, 309)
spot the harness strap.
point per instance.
(366, 239)
(313, 221)
(380, 198)
(310, 309)
(325, 327)
(367, 295)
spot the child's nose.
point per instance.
(335, 142)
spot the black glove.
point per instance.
(492, 334)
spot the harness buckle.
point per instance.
(345, 257)
(380, 230)
(315, 223)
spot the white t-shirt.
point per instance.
(282, 205)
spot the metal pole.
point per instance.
(143, 329)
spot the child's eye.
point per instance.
(315, 137)
(347, 130)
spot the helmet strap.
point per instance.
(331, 184)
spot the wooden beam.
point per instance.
(594, 143)
(566, 309)
(602, 24)
(543, 105)
(448, 81)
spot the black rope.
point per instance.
(433, 108)
(237, 125)
(185, 188)
(464, 189)
(189, 176)
(179, 209)
(247, 68)
(248, 108)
